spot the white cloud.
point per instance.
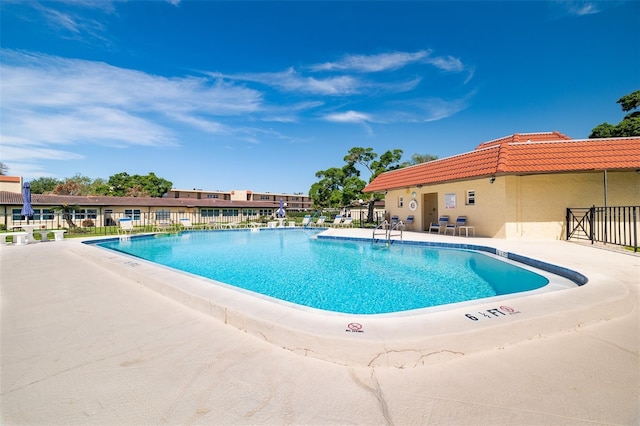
(348, 117)
(291, 81)
(373, 63)
(68, 101)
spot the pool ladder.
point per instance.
(388, 232)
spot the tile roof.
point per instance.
(524, 153)
(13, 198)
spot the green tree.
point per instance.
(44, 185)
(421, 158)
(339, 187)
(4, 169)
(76, 185)
(630, 124)
(124, 185)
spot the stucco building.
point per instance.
(518, 186)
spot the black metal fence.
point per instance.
(608, 225)
(101, 223)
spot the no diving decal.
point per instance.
(493, 313)
(354, 327)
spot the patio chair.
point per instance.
(186, 224)
(319, 222)
(163, 226)
(409, 222)
(306, 220)
(125, 225)
(347, 223)
(440, 226)
(460, 221)
(337, 221)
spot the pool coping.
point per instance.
(399, 341)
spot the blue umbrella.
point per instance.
(27, 210)
(281, 212)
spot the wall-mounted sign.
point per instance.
(449, 201)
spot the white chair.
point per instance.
(460, 221)
(347, 223)
(319, 222)
(337, 221)
(306, 220)
(125, 225)
(440, 226)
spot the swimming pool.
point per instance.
(346, 276)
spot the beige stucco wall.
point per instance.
(527, 207)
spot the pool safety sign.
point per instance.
(354, 327)
(493, 313)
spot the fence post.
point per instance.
(592, 212)
(635, 230)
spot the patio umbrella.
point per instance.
(281, 212)
(27, 210)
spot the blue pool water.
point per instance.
(348, 276)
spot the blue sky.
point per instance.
(261, 95)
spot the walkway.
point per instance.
(88, 345)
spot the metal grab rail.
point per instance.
(609, 225)
(388, 231)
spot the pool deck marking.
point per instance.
(409, 336)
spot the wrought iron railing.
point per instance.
(608, 225)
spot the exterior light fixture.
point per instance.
(493, 179)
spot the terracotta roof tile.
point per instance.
(511, 155)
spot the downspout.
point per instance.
(605, 206)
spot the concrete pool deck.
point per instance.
(85, 340)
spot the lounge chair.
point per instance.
(440, 226)
(306, 220)
(163, 226)
(125, 225)
(319, 222)
(347, 223)
(186, 223)
(337, 221)
(460, 221)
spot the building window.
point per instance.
(135, 214)
(209, 212)
(229, 212)
(265, 197)
(248, 212)
(471, 198)
(400, 202)
(212, 195)
(266, 212)
(161, 214)
(48, 214)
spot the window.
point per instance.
(400, 202)
(471, 198)
(48, 214)
(229, 212)
(209, 212)
(212, 196)
(161, 214)
(265, 197)
(266, 212)
(135, 214)
(248, 212)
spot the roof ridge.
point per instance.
(575, 140)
